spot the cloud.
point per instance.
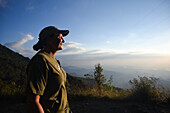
(3, 3)
(108, 42)
(75, 55)
(111, 58)
(19, 45)
(93, 52)
(90, 58)
(72, 48)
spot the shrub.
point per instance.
(10, 90)
(148, 89)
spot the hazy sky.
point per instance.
(111, 32)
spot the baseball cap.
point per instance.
(47, 32)
(50, 30)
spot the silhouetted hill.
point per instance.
(12, 65)
(76, 84)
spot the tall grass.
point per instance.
(11, 90)
(103, 93)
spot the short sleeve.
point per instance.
(37, 76)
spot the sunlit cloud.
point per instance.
(3, 3)
(72, 48)
(108, 42)
(19, 45)
(97, 51)
(143, 61)
(74, 54)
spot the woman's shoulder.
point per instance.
(37, 60)
(42, 58)
(38, 57)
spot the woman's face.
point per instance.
(55, 42)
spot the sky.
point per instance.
(114, 33)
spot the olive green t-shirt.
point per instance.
(47, 78)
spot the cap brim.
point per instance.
(64, 32)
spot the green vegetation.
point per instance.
(12, 73)
(99, 77)
(144, 89)
(10, 90)
(148, 89)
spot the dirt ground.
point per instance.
(94, 106)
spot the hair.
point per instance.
(41, 43)
(38, 46)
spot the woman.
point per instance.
(46, 91)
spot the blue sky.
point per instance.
(111, 32)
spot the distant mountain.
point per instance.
(77, 71)
(119, 79)
(121, 76)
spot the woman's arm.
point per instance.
(34, 105)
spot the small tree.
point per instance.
(99, 77)
(109, 82)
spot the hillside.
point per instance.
(12, 66)
(13, 74)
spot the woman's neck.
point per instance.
(50, 51)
